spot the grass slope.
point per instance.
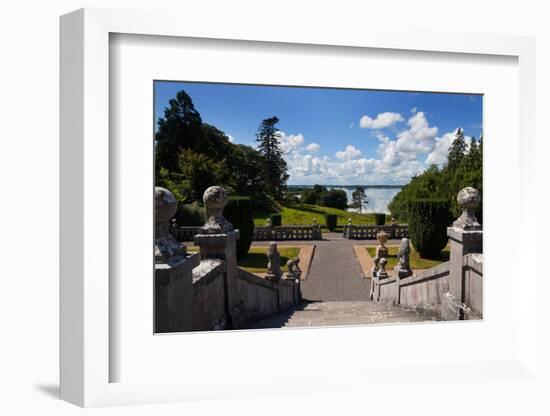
(415, 260)
(303, 214)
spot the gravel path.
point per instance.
(335, 274)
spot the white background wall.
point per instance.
(29, 172)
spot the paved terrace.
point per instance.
(335, 273)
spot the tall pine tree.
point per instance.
(456, 151)
(275, 172)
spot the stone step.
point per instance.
(344, 313)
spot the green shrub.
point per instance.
(276, 220)
(331, 221)
(379, 218)
(428, 222)
(239, 212)
(309, 197)
(189, 215)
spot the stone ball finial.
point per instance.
(165, 205)
(167, 249)
(215, 199)
(468, 198)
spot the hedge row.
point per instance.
(331, 221)
(239, 212)
(428, 222)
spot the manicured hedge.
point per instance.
(239, 212)
(428, 222)
(276, 220)
(379, 218)
(331, 221)
(189, 215)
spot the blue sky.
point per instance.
(338, 136)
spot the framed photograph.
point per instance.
(279, 205)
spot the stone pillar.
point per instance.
(465, 236)
(173, 270)
(218, 240)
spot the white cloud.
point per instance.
(351, 152)
(290, 142)
(418, 139)
(313, 147)
(414, 110)
(441, 149)
(351, 125)
(400, 156)
(381, 121)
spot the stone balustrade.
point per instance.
(295, 232)
(210, 293)
(453, 290)
(368, 232)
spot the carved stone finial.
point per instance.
(273, 262)
(403, 253)
(382, 250)
(468, 198)
(349, 221)
(167, 249)
(268, 222)
(382, 273)
(215, 200)
(294, 270)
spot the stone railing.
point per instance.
(453, 290)
(297, 232)
(210, 293)
(368, 232)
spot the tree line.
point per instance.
(464, 167)
(191, 155)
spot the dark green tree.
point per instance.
(198, 172)
(275, 170)
(456, 151)
(180, 128)
(359, 198)
(335, 198)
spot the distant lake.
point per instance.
(378, 196)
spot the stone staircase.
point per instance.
(309, 314)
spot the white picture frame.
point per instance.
(86, 355)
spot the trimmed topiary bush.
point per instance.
(276, 220)
(189, 215)
(239, 213)
(428, 222)
(331, 221)
(379, 218)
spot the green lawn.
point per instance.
(416, 261)
(256, 260)
(303, 214)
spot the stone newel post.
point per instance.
(173, 270)
(465, 236)
(218, 240)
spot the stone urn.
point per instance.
(382, 250)
(382, 238)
